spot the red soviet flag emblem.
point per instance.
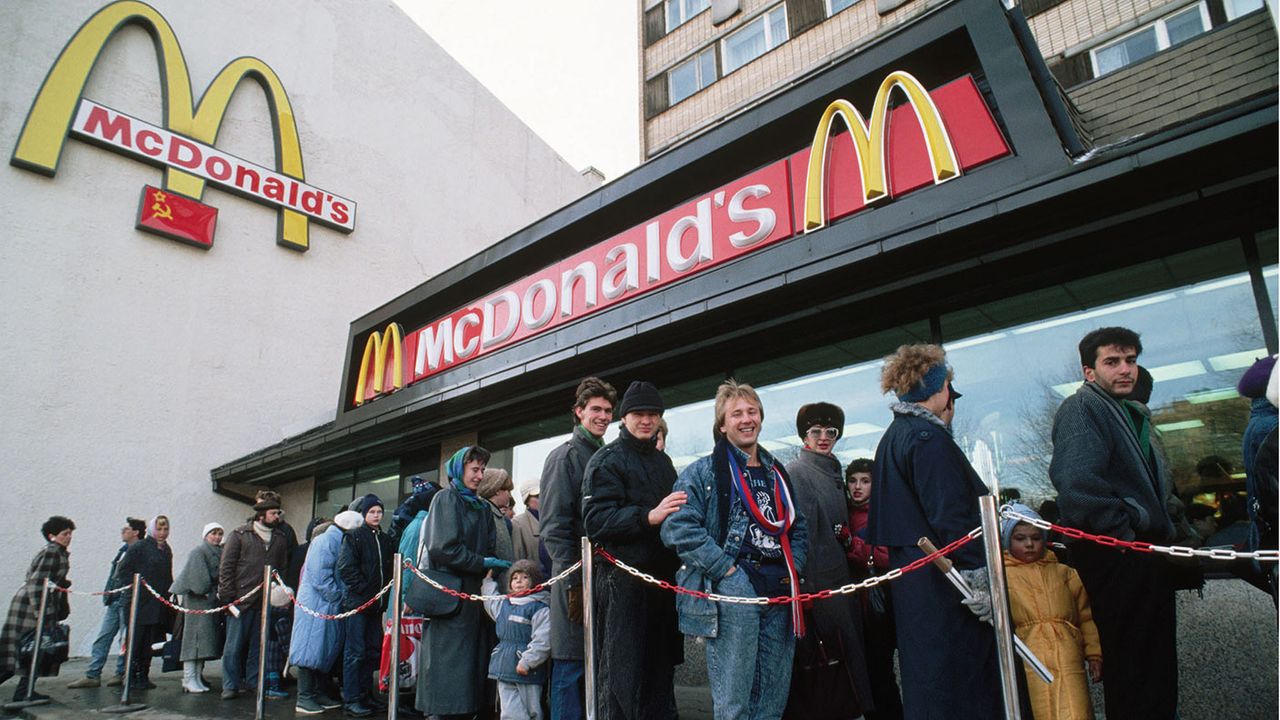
(178, 217)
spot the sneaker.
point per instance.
(115, 681)
(230, 693)
(307, 706)
(85, 682)
(274, 693)
(357, 710)
(327, 702)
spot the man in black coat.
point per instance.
(146, 558)
(561, 522)
(626, 494)
(364, 565)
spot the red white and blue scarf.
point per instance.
(780, 528)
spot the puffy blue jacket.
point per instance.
(316, 643)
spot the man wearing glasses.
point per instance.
(819, 486)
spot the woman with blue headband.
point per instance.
(459, 541)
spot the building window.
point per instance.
(692, 75)
(680, 12)
(334, 492)
(756, 38)
(835, 6)
(1151, 39)
(1236, 8)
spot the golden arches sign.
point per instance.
(869, 142)
(375, 357)
(45, 131)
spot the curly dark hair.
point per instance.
(859, 465)
(55, 525)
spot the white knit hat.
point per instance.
(210, 527)
(348, 520)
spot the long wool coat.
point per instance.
(455, 650)
(197, 585)
(819, 488)
(316, 643)
(51, 563)
(1051, 614)
(561, 524)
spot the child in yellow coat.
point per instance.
(1051, 614)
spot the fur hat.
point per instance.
(266, 504)
(494, 481)
(528, 567)
(823, 414)
(348, 520)
(641, 395)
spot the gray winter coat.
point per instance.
(1104, 483)
(455, 650)
(560, 517)
(819, 494)
(197, 585)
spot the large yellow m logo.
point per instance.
(869, 142)
(40, 144)
(374, 378)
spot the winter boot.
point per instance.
(191, 678)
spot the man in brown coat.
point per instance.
(248, 549)
(524, 528)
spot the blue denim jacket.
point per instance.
(706, 549)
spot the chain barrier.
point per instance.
(189, 611)
(100, 593)
(325, 616)
(1140, 546)
(854, 587)
(482, 598)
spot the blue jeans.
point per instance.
(113, 622)
(566, 692)
(361, 649)
(749, 660)
(240, 655)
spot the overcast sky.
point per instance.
(567, 68)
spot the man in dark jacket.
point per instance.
(561, 522)
(419, 501)
(146, 558)
(364, 565)
(247, 550)
(923, 486)
(1111, 482)
(818, 480)
(115, 620)
(626, 494)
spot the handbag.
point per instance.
(424, 598)
(821, 686)
(172, 654)
(879, 607)
(55, 648)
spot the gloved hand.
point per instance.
(493, 563)
(843, 535)
(980, 605)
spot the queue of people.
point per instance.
(736, 523)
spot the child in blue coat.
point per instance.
(519, 662)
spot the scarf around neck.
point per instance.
(920, 411)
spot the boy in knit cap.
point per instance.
(523, 624)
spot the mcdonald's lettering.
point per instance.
(933, 137)
(184, 145)
(382, 364)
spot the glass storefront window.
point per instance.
(334, 492)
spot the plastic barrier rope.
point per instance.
(802, 597)
(189, 611)
(69, 591)
(481, 598)
(324, 616)
(1139, 546)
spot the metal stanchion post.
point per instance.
(588, 629)
(124, 706)
(393, 666)
(259, 705)
(1000, 606)
(35, 655)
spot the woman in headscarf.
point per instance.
(197, 586)
(151, 558)
(459, 540)
(52, 563)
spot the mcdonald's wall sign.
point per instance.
(935, 136)
(183, 146)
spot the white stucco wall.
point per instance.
(134, 364)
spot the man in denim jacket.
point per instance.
(739, 534)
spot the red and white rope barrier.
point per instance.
(481, 598)
(189, 611)
(325, 616)
(100, 593)
(1140, 546)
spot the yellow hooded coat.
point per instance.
(1051, 614)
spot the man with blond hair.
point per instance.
(923, 486)
(740, 534)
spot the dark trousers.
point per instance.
(1133, 607)
(143, 637)
(361, 650)
(881, 643)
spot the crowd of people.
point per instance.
(737, 523)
